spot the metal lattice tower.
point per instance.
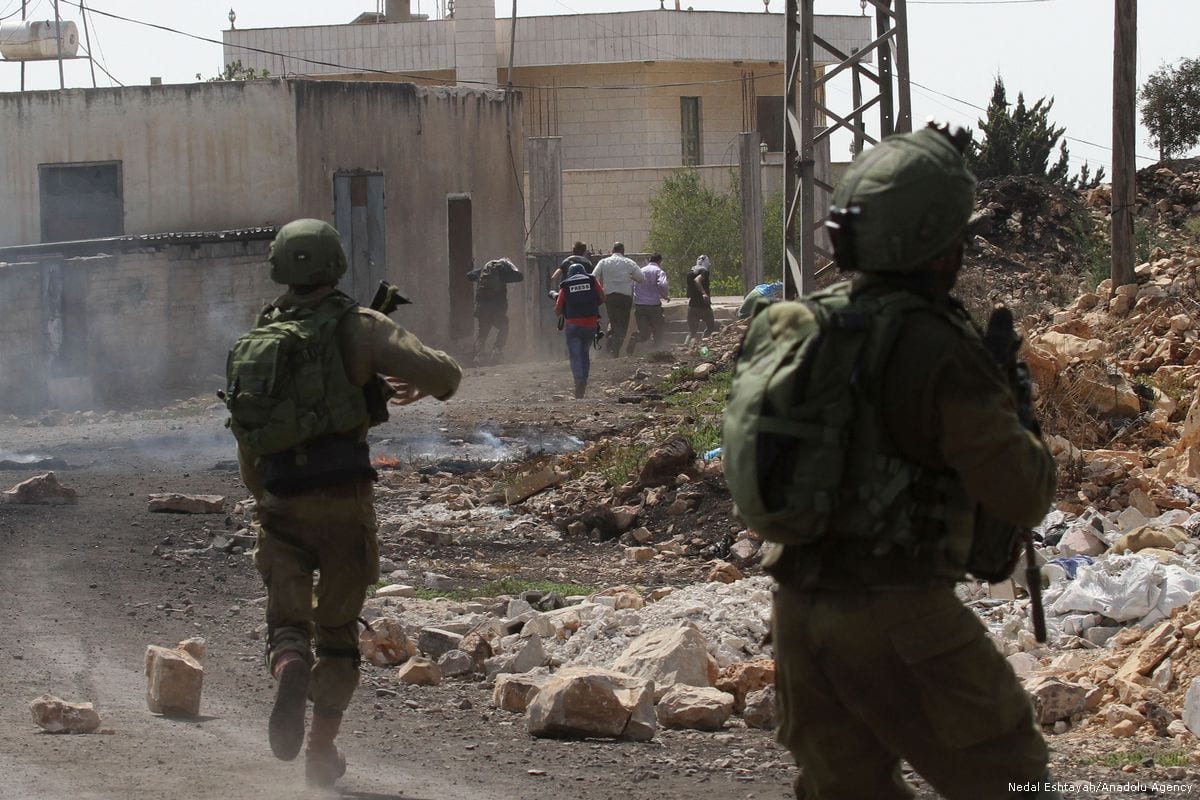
(804, 257)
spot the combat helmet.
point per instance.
(903, 203)
(307, 252)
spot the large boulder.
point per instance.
(669, 656)
(695, 708)
(585, 702)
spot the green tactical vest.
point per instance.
(807, 456)
(286, 384)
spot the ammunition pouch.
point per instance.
(321, 463)
(995, 548)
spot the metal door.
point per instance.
(358, 203)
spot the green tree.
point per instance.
(689, 218)
(1170, 106)
(235, 71)
(1019, 140)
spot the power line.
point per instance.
(410, 76)
(974, 2)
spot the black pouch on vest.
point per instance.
(995, 548)
(328, 461)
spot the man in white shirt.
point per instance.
(617, 274)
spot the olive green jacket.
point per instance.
(372, 344)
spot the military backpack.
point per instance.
(286, 383)
(806, 453)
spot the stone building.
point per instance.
(631, 96)
(109, 295)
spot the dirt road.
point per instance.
(85, 590)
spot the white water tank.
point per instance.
(34, 40)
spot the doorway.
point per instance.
(461, 250)
(358, 212)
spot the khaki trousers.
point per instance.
(867, 678)
(331, 530)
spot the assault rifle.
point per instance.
(1003, 344)
(386, 300)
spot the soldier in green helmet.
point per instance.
(871, 496)
(300, 410)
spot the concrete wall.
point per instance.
(429, 144)
(157, 319)
(613, 205)
(210, 156)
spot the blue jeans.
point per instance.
(579, 349)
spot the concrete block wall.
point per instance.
(636, 127)
(475, 56)
(22, 339)
(613, 205)
(400, 46)
(216, 291)
(159, 322)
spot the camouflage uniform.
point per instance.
(333, 529)
(877, 659)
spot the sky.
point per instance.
(1042, 48)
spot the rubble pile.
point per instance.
(1115, 375)
(695, 652)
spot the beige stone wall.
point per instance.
(198, 157)
(640, 126)
(613, 205)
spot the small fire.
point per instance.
(387, 462)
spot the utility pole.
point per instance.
(24, 3)
(1124, 188)
(807, 256)
(62, 81)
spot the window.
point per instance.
(81, 201)
(689, 126)
(770, 122)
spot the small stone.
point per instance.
(55, 715)
(760, 709)
(454, 663)
(41, 490)
(419, 671)
(187, 503)
(1124, 728)
(396, 590)
(724, 572)
(174, 682)
(639, 554)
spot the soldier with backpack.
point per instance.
(491, 303)
(873, 440)
(303, 388)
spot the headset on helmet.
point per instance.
(904, 202)
(307, 252)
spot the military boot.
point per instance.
(286, 727)
(580, 388)
(323, 763)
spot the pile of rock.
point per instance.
(617, 663)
